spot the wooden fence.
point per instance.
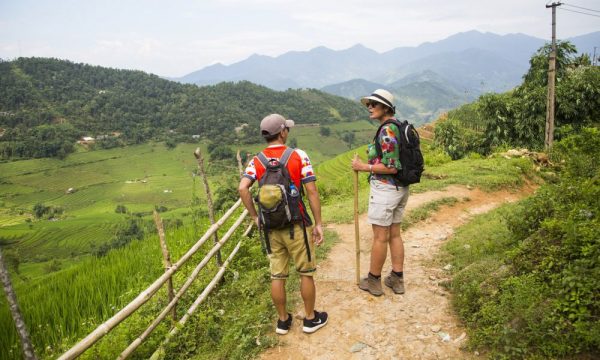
(145, 295)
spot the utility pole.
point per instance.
(551, 79)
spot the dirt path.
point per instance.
(409, 326)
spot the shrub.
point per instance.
(457, 141)
(538, 297)
(121, 209)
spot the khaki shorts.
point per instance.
(386, 204)
(283, 248)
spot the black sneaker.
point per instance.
(312, 325)
(284, 326)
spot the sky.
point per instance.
(173, 38)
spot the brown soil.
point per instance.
(409, 326)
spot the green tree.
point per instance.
(348, 137)
(121, 209)
(537, 75)
(39, 210)
(293, 143)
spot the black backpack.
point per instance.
(278, 198)
(411, 157)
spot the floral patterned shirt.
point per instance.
(390, 149)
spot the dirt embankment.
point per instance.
(417, 325)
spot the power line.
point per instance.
(579, 12)
(580, 7)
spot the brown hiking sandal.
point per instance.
(372, 285)
(395, 282)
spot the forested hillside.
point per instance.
(47, 104)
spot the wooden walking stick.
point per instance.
(356, 232)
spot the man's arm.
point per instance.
(244, 190)
(315, 207)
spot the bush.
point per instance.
(535, 295)
(457, 141)
(121, 209)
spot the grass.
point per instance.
(54, 255)
(138, 177)
(71, 302)
(423, 212)
(102, 180)
(335, 178)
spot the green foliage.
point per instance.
(348, 138)
(537, 75)
(170, 143)
(226, 194)
(40, 210)
(324, 131)
(457, 141)
(526, 284)
(517, 118)
(124, 234)
(160, 208)
(220, 152)
(121, 209)
(293, 143)
(38, 141)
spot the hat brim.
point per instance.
(289, 123)
(366, 99)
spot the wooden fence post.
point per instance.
(166, 259)
(239, 160)
(28, 351)
(211, 212)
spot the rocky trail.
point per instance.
(419, 324)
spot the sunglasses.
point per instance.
(372, 104)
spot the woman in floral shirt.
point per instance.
(387, 198)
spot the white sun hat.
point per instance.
(381, 96)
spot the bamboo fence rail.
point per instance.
(145, 295)
(198, 301)
(137, 342)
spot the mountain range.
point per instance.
(427, 79)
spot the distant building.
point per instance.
(86, 140)
(240, 128)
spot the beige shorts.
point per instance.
(386, 203)
(283, 248)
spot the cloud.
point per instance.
(194, 34)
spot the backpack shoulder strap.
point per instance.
(262, 158)
(285, 157)
(390, 121)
